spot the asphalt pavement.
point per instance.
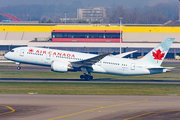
(88, 107)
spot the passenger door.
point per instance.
(133, 65)
(99, 63)
(48, 56)
(21, 52)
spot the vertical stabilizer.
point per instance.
(157, 55)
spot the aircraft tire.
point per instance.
(90, 77)
(18, 68)
(82, 77)
(86, 77)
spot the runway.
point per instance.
(25, 67)
(88, 107)
(89, 81)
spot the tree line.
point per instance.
(157, 14)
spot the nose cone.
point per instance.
(6, 55)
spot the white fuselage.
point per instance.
(108, 65)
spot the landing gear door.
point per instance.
(21, 52)
(133, 65)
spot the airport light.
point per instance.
(120, 32)
(65, 17)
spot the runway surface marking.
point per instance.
(12, 110)
(150, 113)
(97, 109)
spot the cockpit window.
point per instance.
(12, 50)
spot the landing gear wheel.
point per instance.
(90, 77)
(86, 77)
(18, 67)
(82, 77)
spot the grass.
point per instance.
(75, 75)
(89, 88)
(4, 63)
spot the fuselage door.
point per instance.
(21, 52)
(99, 63)
(48, 56)
(133, 65)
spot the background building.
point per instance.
(94, 14)
(135, 37)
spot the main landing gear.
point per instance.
(86, 76)
(18, 67)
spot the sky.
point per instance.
(87, 3)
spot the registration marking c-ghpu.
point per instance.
(12, 110)
(97, 109)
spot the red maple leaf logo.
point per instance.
(31, 50)
(158, 55)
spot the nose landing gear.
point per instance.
(18, 67)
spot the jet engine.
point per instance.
(59, 66)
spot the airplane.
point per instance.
(64, 61)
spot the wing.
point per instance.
(89, 62)
(125, 54)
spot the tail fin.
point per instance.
(157, 55)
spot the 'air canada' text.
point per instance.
(52, 53)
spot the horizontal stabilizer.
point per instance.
(169, 68)
(159, 68)
(155, 68)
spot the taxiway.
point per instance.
(88, 107)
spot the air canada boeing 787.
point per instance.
(64, 61)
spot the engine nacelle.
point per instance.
(59, 66)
